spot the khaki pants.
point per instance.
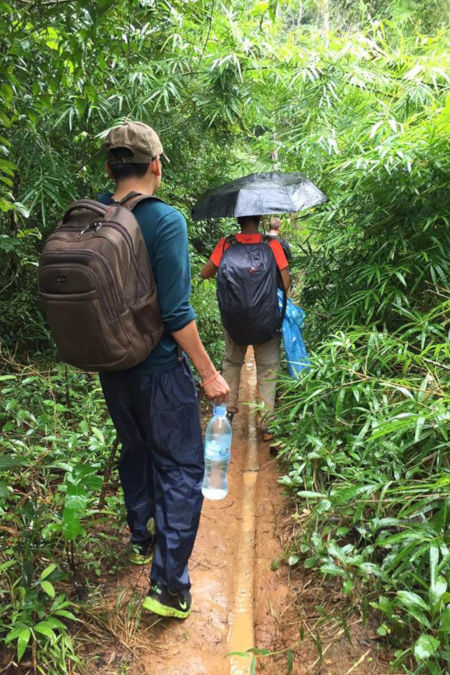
(267, 358)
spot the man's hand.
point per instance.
(208, 270)
(217, 390)
(214, 386)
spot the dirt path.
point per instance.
(242, 596)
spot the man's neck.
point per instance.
(250, 229)
(124, 187)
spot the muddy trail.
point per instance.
(245, 595)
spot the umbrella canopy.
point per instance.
(258, 194)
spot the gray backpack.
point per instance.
(247, 283)
(97, 288)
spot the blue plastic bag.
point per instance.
(294, 346)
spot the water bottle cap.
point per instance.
(220, 410)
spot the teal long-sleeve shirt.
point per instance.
(165, 234)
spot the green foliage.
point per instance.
(62, 92)
(367, 446)
(208, 318)
(366, 430)
(231, 90)
(56, 438)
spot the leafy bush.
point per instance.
(366, 429)
(366, 441)
(56, 532)
(208, 319)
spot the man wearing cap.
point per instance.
(267, 354)
(154, 405)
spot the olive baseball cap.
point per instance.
(139, 138)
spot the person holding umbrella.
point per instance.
(250, 267)
(267, 352)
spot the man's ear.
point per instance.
(108, 170)
(155, 167)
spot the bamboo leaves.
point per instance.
(381, 467)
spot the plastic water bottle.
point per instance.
(217, 454)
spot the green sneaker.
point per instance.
(164, 603)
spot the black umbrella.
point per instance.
(258, 194)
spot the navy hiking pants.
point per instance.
(161, 464)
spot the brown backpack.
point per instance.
(97, 288)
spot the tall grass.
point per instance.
(367, 433)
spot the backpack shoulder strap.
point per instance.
(229, 240)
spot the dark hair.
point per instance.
(121, 171)
(243, 220)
